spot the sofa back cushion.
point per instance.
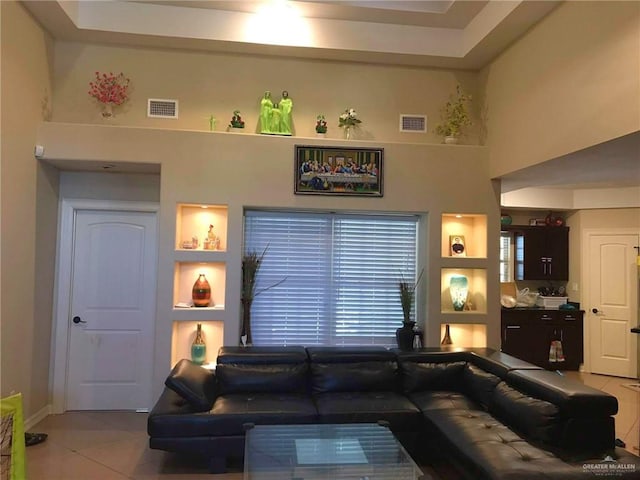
(420, 377)
(354, 377)
(479, 385)
(262, 370)
(352, 369)
(533, 418)
(275, 378)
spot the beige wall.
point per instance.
(571, 82)
(29, 212)
(110, 186)
(210, 83)
(242, 170)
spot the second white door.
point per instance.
(111, 321)
(613, 304)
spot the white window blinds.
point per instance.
(342, 273)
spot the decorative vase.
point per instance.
(459, 289)
(201, 292)
(198, 347)
(505, 219)
(347, 132)
(451, 140)
(245, 327)
(107, 111)
(236, 129)
(405, 336)
(321, 135)
(446, 340)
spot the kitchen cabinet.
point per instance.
(527, 334)
(541, 253)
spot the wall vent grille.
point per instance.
(413, 123)
(162, 108)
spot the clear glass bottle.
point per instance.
(198, 347)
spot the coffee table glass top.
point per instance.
(332, 451)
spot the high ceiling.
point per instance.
(440, 33)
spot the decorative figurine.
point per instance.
(212, 123)
(236, 120)
(266, 105)
(275, 118)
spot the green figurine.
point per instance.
(212, 123)
(266, 108)
(286, 106)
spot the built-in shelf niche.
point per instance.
(186, 274)
(466, 335)
(477, 297)
(470, 225)
(193, 220)
(184, 333)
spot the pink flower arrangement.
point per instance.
(109, 88)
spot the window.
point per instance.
(511, 256)
(342, 273)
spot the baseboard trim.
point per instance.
(37, 417)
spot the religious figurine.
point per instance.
(212, 123)
(266, 107)
(286, 106)
(276, 118)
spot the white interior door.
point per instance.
(613, 304)
(112, 310)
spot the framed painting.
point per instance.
(338, 171)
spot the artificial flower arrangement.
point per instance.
(349, 118)
(236, 120)
(321, 124)
(455, 115)
(407, 294)
(110, 88)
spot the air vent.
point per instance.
(413, 123)
(162, 108)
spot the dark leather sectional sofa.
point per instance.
(486, 414)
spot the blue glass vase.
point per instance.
(459, 289)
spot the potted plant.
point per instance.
(251, 262)
(321, 126)
(455, 116)
(236, 121)
(348, 120)
(405, 334)
(109, 90)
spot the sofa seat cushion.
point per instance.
(442, 400)
(495, 451)
(368, 407)
(231, 411)
(421, 376)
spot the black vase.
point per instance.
(405, 335)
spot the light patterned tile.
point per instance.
(124, 456)
(71, 466)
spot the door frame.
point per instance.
(585, 298)
(63, 281)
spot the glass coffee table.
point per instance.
(326, 452)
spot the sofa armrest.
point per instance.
(194, 384)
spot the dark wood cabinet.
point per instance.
(542, 253)
(528, 333)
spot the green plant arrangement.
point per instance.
(321, 124)
(251, 262)
(236, 120)
(455, 115)
(407, 294)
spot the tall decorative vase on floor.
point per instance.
(459, 289)
(198, 347)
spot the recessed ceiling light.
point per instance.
(458, 216)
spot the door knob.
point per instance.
(594, 310)
(77, 320)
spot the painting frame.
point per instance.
(342, 171)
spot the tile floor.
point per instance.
(114, 445)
